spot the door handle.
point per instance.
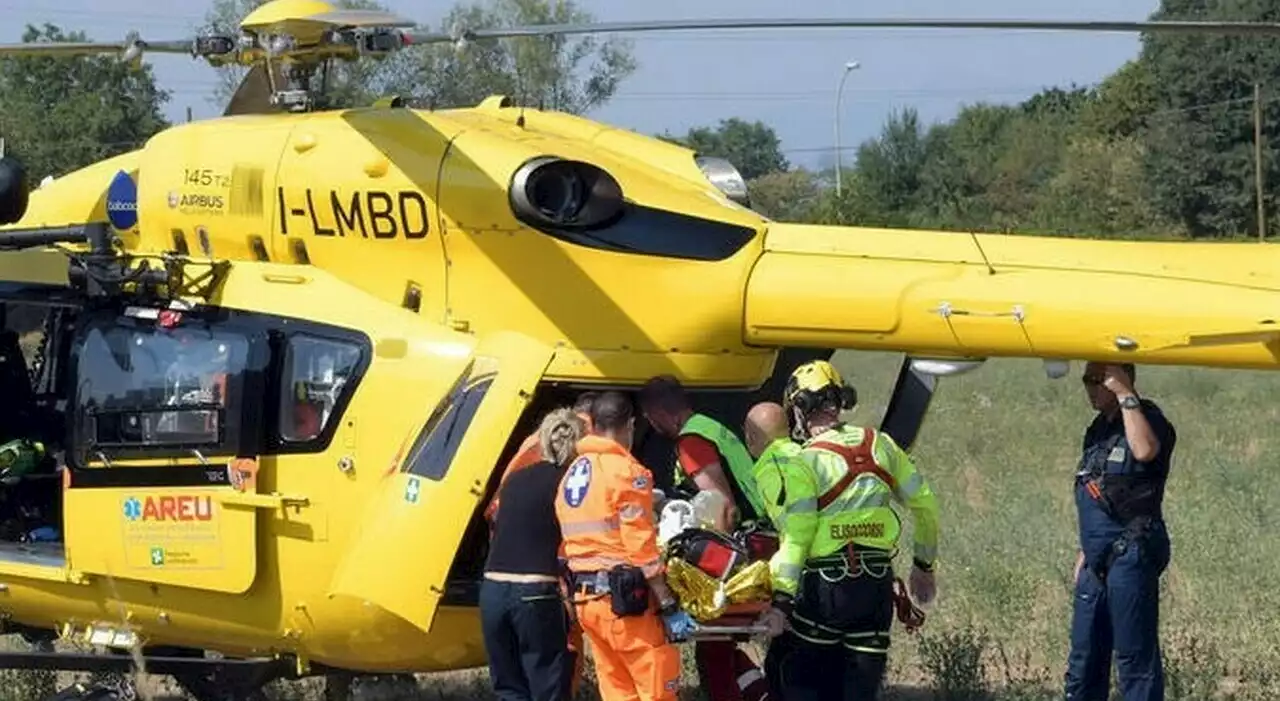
(263, 501)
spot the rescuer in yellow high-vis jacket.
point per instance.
(788, 491)
(842, 606)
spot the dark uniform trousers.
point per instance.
(526, 636)
(1119, 612)
(838, 647)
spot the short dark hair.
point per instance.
(664, 392)
(611, 411)
(582, 404)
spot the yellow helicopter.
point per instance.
(285, 350)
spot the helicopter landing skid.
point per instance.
(86, 692)
(205, 679)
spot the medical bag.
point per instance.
(712, 552)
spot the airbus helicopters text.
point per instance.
(291, 345)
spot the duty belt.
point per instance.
(1134, 532)
(591, 582)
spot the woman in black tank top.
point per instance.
(525, 624)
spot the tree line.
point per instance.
(62, 113)
(1172, 144)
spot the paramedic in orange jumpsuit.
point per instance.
(605, 510)
(530, 453)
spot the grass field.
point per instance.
(1000, 449)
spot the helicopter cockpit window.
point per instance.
(146, 387)
(317, 373)
(435, 446)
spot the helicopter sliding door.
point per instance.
(164, 403)
(416, 520)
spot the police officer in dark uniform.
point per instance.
(1124, 546)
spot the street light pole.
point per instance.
(848, 68)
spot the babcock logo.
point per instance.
(122, 202)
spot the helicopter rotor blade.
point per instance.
(62, 48)
(130, 49)
(1187, 27)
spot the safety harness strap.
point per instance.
(908, 614)
(859, 460)
(853, 561)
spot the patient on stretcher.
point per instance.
(719, 578)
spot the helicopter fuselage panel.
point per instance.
(414, 207)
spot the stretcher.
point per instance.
(723, 581)
(738, 624)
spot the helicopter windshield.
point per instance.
(145, 384)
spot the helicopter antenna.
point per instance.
(521, 98)
(986, 261)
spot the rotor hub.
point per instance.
(295, 95)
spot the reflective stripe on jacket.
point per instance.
(855, 487)
(789, 493)
(605, 509)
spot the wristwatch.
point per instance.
(1130, 402)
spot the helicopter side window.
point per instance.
(656, 232)
(153, 389)
(318, 373)
(435, 446)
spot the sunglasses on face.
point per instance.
(1092, 380)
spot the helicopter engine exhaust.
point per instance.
(15, 191)
(551, 192)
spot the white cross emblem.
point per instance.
(577, 483)
(411, 490)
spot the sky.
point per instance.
(787, 78)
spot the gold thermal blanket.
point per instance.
(697, 590)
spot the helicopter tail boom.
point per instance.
(960, 295)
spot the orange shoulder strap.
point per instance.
(859, 460)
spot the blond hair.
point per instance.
(559, 435)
